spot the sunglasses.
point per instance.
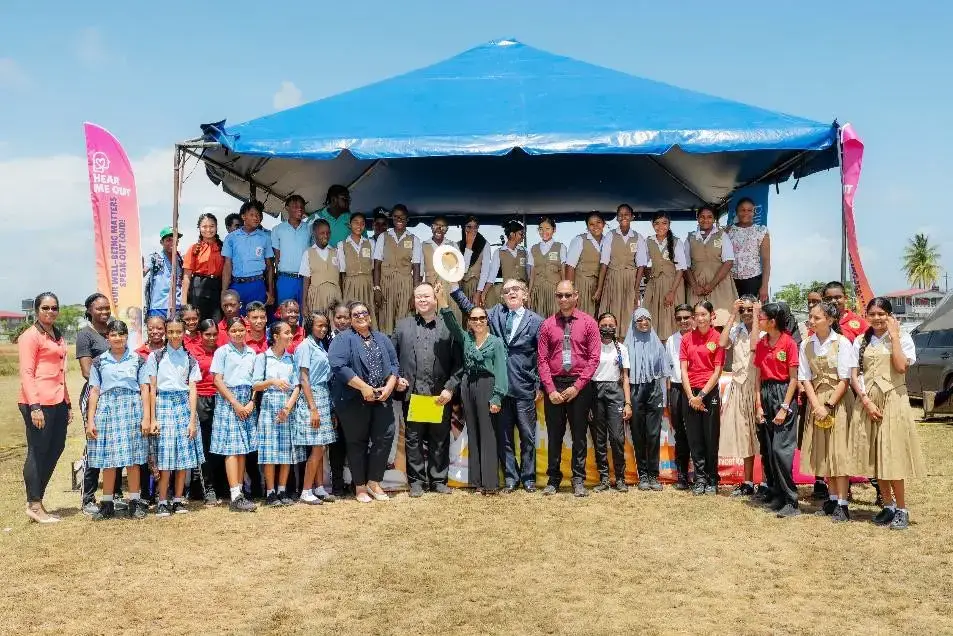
(563, 295)
(360, 314)
(512, 289)
(49, 308)
(746, 311)
(477, 318)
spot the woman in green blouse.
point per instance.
(483, 386)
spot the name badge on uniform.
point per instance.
(259, 251)
(334, 260)
(522, 261)
(409, 243)
(553, 256)
(632, 246)
(365, 252)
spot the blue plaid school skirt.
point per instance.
(120, 441)
(230, 435)
(274, 437)
(303, 434)
(174, 449)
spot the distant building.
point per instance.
(913, 305)
(10, 319)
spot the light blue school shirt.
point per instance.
(124, 373)
(247, 251)
(173, 372)
(292, 243)
(312, 356)
(278, 369)
(236, 367)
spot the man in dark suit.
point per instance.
(519, 329)
(430, 360)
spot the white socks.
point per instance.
(235, 492)
(841, 502)
(281, 490)
(134, 496)
(106, 498)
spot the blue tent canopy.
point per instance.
(505, 128)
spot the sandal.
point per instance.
(363, 497)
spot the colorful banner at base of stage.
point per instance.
(112, 191)
(730, 469)
(852, 158)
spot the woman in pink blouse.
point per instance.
(44, 402)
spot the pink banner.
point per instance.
(852, 159)
(112, 189)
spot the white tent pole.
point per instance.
(176, 196)
(843, 210)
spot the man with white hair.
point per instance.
(518, 327)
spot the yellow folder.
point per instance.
(424, 409)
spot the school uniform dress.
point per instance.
(703, 354)
(825, 451)
(676, 407)
(231, 435)
(118, 416)
(704, 256)
(889, 449)
(90, 344)
(747, 268)
(356, 262)
(739, 434)
(777, 443)
(311, 356)
(173, 373)
(608, 400)
(484, 382)
(654, 254)
(248, 252)
(546, 259)
(213, 469)
(320, 266)
(503, 264)
(274, 438)
(620, 287)
(397, 255)
(429, 273)
(584, 254)
(205, 262)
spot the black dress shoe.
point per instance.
(778, 504)
(820, 491)
(827, 508)
(681, 484)
(107, 510)
(840, 514)
(884, 517)
(529, 487)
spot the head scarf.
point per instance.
(648, 359)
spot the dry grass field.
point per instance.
(636, 563)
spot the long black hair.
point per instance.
(779, 313)
(669, 237)
(57, 334)
(881, 303)
(831, 311)
(198, 245)
(273, 329)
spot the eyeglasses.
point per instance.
(477, 318)
(563, 296)
(512, 289)
(683, 318)
(54, 308)
(438, 227)
(360, 314)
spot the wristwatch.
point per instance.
(702, 393)
(828, 406)
(787, 407)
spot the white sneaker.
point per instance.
(90, 509)
(308, 497)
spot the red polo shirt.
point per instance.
(258, 346)
(703, 354)
(852, 325)
(192, 340)
(297, 339)
(775, 363)
(203, 357)
(144, 350)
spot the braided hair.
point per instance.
(88, 304)
(198, 244)
(881, 303)
(669, 237)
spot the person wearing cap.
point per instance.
(507, 261)
(381, 221)
(290, 240)
(397, 256)
(337, 212)
(157, 276)
(249, 259)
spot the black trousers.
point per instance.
(778, 443)
(646, 426)
(483, 461)
(255, 478)
(606, 428)
(577, 414)
(749, 286)
(337, 456)
(676, 410)
(213, 470)
(43, 448)
(703, 429)
(518, 413)
(205, 294)
(370, 434)
(430, 468)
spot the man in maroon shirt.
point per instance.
(569, 346)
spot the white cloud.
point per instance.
(91, 48)
(53, 234)
(12, 75)
(288, 96)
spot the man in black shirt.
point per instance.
(430, 359)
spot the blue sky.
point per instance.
(152, 72)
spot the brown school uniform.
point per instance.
(358, 274)
(325, 276)
(826, 451)
(430, 274)
(587, 277)
(547, 271)
(471, 279)
(618, 293)
(397, 279)
(510, 267)
(706, 261)
(660, 281)
(738, 437)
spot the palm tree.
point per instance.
(921, 262)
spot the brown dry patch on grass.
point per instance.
(643, 563)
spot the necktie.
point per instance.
(508, 324)
(567, 347)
